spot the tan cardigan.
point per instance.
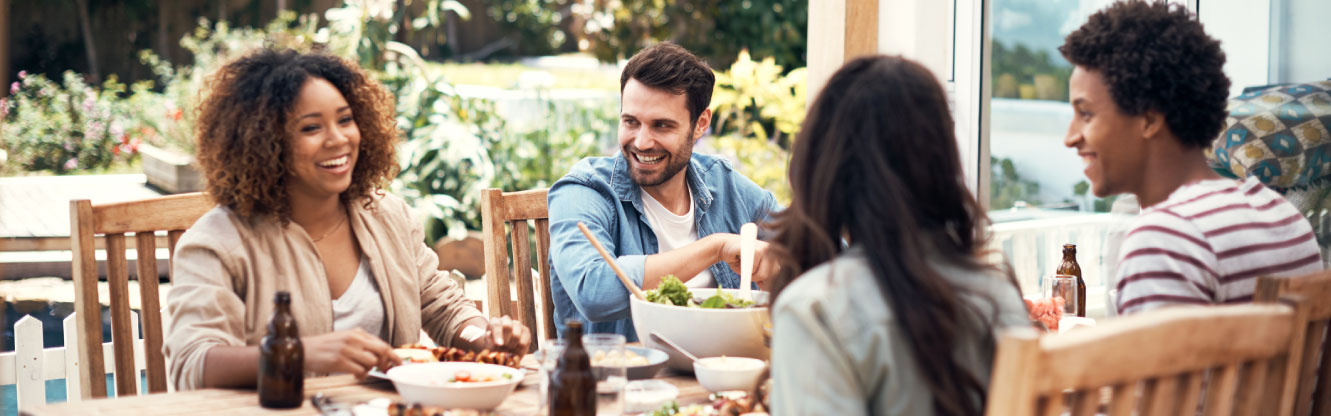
(227, 269)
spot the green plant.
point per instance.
(1007, 188)
(756, 113)
(63, 127)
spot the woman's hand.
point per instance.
(353, 351)
(501, 334)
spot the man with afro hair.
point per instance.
(1149, 92)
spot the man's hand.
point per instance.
(501, 334)
(764, 268)
(353, 351)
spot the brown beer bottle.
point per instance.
(281, 359)
(1070, 267)
(572, 390)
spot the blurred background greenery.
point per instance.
(501, 93)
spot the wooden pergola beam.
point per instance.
(839, 30)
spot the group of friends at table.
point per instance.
(883, 294)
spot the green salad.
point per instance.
(671, 291)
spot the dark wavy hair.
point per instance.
(1155, 56)
(876, 162)
(671, 67)
(243, 143)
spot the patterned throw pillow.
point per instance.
(1280, 134)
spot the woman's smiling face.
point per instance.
(325, 141)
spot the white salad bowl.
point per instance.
(701, 331)
(427, 384)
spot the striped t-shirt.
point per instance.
(1208, 242)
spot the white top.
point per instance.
(675, 231)
(360, 306)
(1208, 242)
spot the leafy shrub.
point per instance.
(63, 127)
(756, 113)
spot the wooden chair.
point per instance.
(498, 210)
(143, 218)
(1313, 396)
(1155, 363)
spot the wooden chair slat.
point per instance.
(1085, 402)
(522, 272)
(172, 237)
(175, 212)
(547, 300)
(117, 278)
(1314, 359)
(1252, 381)
(496, 252)
(149, 300)
(1159, 395)
(1191, 396)
(1220, 394)
(1322, 392)
(87, 308)
(525, 205)
(1124, 399)
(1052, 405)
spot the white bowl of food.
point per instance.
(718, 374)
(455, 385)
(704, 332)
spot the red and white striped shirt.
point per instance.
(1208, 242)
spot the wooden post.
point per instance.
(839, 30)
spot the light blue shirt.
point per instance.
(599, 192)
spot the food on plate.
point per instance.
(734, 403)
(415, 409)
(671, 291)
(614, 358)
(1046, 311)
(410, 353)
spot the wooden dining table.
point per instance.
(342, 389)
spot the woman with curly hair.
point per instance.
(1148, 91)
(901, 320)
(296, 149)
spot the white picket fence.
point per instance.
(30, 366)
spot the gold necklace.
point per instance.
(340, 220)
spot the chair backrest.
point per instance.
(144, 218)
(1154, 363)
(1315, 288)
(500, 212)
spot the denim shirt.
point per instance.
(599, 192)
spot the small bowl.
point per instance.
(718, 374)
(427, 384)
(648, 395)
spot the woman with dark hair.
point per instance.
(296, 149)
(901, 320)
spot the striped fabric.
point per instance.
(1208, 242)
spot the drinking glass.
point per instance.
(551, 349)
(610, 373)
(1062, 286)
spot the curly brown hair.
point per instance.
(242, 136)
(1156, 56)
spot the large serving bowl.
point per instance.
(427, 384)
(703, 332)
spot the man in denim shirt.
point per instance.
(656, 206)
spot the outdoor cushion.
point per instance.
(1280, 134)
